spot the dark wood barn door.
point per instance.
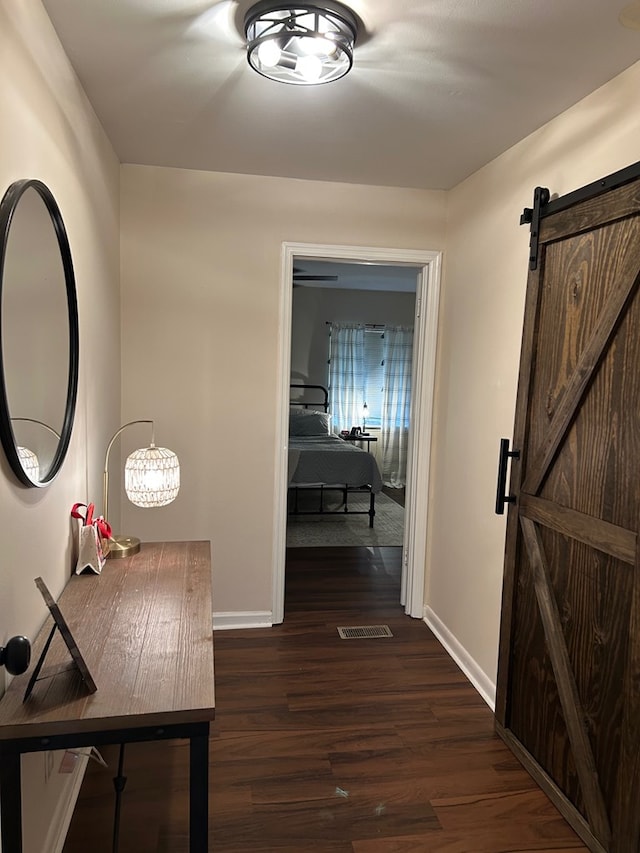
(568, 700)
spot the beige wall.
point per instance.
(200, 288)
(49, 131)
(481, 324)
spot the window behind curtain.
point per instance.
(374, 375)
(374, 366)
(355, 381)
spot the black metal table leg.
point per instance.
(10, 801)
(198, 793)
(119, 783)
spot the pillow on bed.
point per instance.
(308, 422)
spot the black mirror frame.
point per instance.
(7, 437)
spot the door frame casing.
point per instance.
(420, 433)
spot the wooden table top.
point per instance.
(144, 629)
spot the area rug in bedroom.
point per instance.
(312, 531)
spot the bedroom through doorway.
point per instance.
(360, 323)
(352, 329)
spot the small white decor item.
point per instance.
(91, 533)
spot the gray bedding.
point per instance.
(330, 460)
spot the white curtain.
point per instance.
(396, 404)
(348, 391)
(346, 375)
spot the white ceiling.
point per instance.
(357, 276)
(438, 87)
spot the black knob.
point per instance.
(15, 656)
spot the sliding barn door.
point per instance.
(569, 673)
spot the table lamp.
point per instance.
(151, 478)
(365, 412)
(28, 459)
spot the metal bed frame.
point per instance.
(343, 489)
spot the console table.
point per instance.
(144, 629)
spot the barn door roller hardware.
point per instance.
(531, 216)
(544, 206)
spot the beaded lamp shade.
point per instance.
(151, 479)
(152, 476)
(29, 462)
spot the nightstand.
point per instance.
(360, 438)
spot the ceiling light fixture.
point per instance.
(630, 16)
(303, 44)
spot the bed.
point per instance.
(323, 467)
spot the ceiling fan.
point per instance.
(299, 275)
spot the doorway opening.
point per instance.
(352, 329)
(425, 268)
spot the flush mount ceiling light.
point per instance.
(303, 44)
(630, 16)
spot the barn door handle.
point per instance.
(503, 458)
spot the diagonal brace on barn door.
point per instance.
(566, 683)
(579, 381)
(611, 539)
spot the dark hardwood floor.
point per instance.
(323, 745)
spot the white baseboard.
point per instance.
(240, 619)
(64, 810)
(480, 680)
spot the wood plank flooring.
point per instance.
(323, 745)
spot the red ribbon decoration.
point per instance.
(104, 528)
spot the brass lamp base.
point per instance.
(122, 546)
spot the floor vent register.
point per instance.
(364, 632)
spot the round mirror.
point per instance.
(38, 333)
